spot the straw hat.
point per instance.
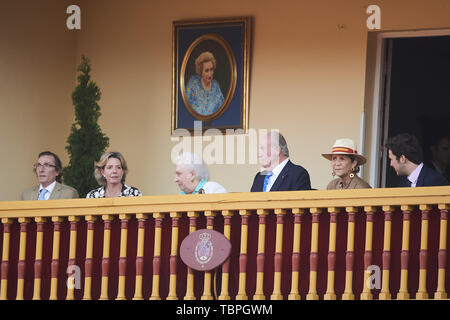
(347, 147)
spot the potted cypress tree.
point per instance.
(86, 142)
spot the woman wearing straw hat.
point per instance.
(345, 162)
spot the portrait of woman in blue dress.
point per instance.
(202, 91)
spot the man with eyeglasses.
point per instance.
(48, 171)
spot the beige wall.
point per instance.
(308, 79)
(37, 59)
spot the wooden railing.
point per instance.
(349, 244)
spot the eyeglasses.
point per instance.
(43, 165)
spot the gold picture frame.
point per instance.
(216, 97)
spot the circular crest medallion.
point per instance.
(205, 249)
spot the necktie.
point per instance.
(42, 194)
(266, 180)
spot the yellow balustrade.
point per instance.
(106, 249)
(207, 295)
(190, 274)
(55, 257)
(38, 260)
(330, 294)
(192, 215)
(72, 255)
(366, 293)
(88, 262)
(276, 294)
(385, 294)
(422, 291)
(408, 200)
(348, 291)
(22, 255)
(294, 294)
(242, 293)
(140, 256)
(123, 255)
(403, 293)
(314, 256)
(157, 255)
(5, 257)
(440, 291)
(173, 257)
(259, 293)
(224, 294)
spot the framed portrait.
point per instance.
(210, 68)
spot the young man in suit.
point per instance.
(48, 170)
(278, 172)
(406, 158)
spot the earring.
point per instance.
(352, 175)
(333, 174)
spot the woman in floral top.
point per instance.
(110, 171)
(202, 91)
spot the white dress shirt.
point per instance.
(414, 176)
(275, 173)
(49, 189)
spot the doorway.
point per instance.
(416, 94)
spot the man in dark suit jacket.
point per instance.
(406, 158)
(279, 173)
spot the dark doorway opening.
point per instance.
(418, 94)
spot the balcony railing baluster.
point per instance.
(207, 295)
(142, 218)
(124, 218)
(314, 255)
(38, 260)
(294, 294)
(366, 293)
(5, 257)
(175, 216)
(260, 257)
(72, 257)
(350, 255)
(88, 260)
(192, 215)
(423, 255)
(242, 292)
(21, 264)
(330, 294)
(278, 256)
(442, 263)
(105, 259)
(385, 293)
(403, 293)
(224, 294)
(55, 257)
(157, 256)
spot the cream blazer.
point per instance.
(60, 191)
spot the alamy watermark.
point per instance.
(74, 20)
(374, 280)
(214, 147)
(374, 20)
(74, 277)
